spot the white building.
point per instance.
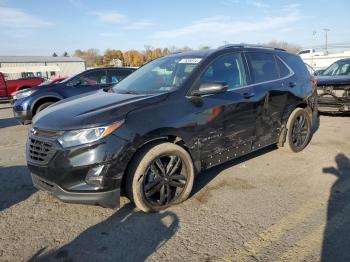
(14, 67)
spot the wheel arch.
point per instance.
(155, 139)
(43, 100)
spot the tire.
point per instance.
(299, 131)
(43, 106)
(146, 183)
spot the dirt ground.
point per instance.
(269, 206)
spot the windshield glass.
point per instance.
(338, 68)
(161, 75)
(69, 78)
(45, 83)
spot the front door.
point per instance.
(233, 112)
(86, 82)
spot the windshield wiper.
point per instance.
(127, 92)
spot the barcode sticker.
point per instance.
(190, 60)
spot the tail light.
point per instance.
(314, 81)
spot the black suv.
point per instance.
(149, 135)
(28, 102)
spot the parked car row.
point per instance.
(149, 136)
(9, 87)
(27, 103)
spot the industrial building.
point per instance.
(14, 67)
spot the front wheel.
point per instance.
(298, 130)
(161, 175)
(43, 106)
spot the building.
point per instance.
(14, 67)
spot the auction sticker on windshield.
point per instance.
(190, 60)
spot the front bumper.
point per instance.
(64, 172)
(108, 198)
(333, 104)
(20, 113)
(333, 99)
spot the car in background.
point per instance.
(333, 87)
(27, 103)
(151, 134)
(8, 87)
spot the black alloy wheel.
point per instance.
(164, 180)
(300, 131)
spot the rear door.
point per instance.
(89, 81)
(3, 89)
(268, 74)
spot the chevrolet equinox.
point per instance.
(148, 136)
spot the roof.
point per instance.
(38, 59)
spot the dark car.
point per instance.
(333, 87)
(149, 136)
(27, 103)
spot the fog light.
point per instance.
(95, 176)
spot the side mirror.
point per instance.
(74, 83)
(209, 88)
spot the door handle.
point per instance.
(292, 84)
(248, 95)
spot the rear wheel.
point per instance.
(298, 130)
(161, 175)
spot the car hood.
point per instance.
(94, 109)
(333, 80)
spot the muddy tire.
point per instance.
(299, 131)
(160, 175)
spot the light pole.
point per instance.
(326, 30)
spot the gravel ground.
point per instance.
(270, 206)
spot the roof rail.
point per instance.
(250, 45)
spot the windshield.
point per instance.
(69, 78)
(45, 83)
(338, 68)
(161, 75)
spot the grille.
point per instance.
(40, 151)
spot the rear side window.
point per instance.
(282, 69)
(262, 67)
(297, 65)
(228, 69)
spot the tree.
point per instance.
(65, 54)
(204, 47)
(91, 56)
(133, 58)
(111, 54)
(54, 55)
(293, 48)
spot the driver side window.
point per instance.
(93, 78)
(228, 69)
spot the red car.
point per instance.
(10, 86)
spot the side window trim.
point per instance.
(291, 72)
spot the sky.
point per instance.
(41, 27)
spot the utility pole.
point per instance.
(326, 30)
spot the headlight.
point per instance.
(84, 136)
(23, 94)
